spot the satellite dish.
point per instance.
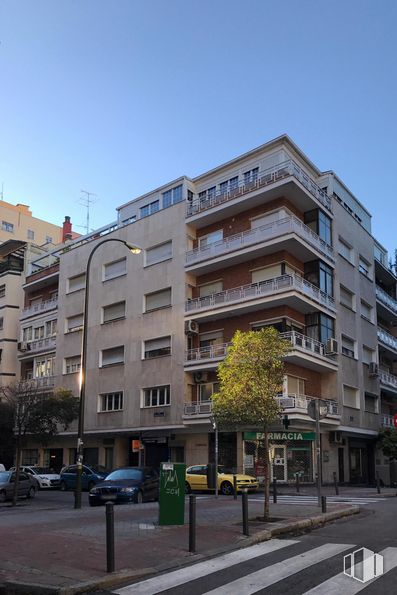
(322, 408)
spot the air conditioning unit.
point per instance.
(336, 437)
(331, 346)
(373, 369)
(23, 346)
(191, 327)
(200, 377)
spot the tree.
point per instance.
(35, 415)
(387, 441)
(251, 375)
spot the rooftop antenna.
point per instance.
(2, 191)
(87, 201)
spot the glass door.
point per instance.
(278, 460)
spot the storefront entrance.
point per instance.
(278, 460)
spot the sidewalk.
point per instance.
(63, 551)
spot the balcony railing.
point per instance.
(300, 341)
(388, 379)
(387, 339)
(35, 383)
(387, 421)
(39, 308)
(205, 353)
(253, 291)
(42, 344)
(269, 231)
(265, 178)
(299, 404)
(198, 408)
(386, 299)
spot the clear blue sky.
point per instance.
(118, 97)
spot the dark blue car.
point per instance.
(128, 484)
(89, 478)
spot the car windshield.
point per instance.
(125, 474)
(4, 476)
(42, 470)
(97, 468)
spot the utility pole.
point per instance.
(87, 201)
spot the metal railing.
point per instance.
(386, 299)
(299, 403)
(250, 237)
(41, 344)
(308, 344)
(387, 339)
(265, 178)
(204, 353)
(39, 382)
(388, 379)
(198, 408)
(252, 291)
(387, 421)
(39, 308)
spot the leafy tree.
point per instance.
(35, 415)
(251, 375)
(387, 441)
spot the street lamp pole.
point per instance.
(80, 431)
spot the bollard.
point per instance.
(336, 484)
(377, 482)
(235, 487)
(244, 500)
(297, 482)
(110, 566)
(323, 503)
(192, 523)
(275, 490)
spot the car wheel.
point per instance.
(2, 496)
(91, 485)
(63, 487)
(139, 498)
(226, 488)
(188, 489)
(31, 493)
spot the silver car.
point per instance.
(27, 485)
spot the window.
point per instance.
(347, 298)
(318, 221)
(228, 185)
(345, 250)
(320, 274)
(269, 218)
(38, 333)
(294, 385)
(51, 328)
(74, 323)
(76, 283)
(156, 396)
(206, 390)
(30, 456)
(30, 234)
(48, 240)
(2, 290)
(350, 396)
(251, 176)
(210, 238)
(159, 253)
(1, 323)
(112, 356)
(368, 355)
(157, 347)
(149, 209)
(115, 269)
(113, 312)
(44, 367)
(348, 346)
(6, 226)
(158, 299)
(172, 196)
(320, 326)
(110, 402)
(364, 266)
(27, 333)
(210, 288)
(211, 338)
(371, 403)
(72, 364)
(366, 311)
(266, 273)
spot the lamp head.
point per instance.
(133, 249)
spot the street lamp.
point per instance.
(80, 432)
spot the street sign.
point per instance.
(322, 408)
(172, 494)
(395, 420)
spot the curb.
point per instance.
(117, 578)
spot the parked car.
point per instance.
(128, 484)
(45, 478)
(27, 485)
(2, 468)
(196, 479)
(90, 477)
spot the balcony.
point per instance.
(388, 305)
(40, 382)
(205, 357)
(309, 352)
(283, 231)
(387, 340)
(297, 404)
(284, 173)
(290, 290)
(388, 380)
(48, 344)
(203, 408)
(40, 308)
(387, 421)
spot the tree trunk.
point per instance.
(17, 469)
(266, 508)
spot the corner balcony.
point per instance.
(287, 178)
(197, 410)
(33, 347)
(386, 304)
(387, 421)
(288, 234)
(39, 382)
(205, 358)
(387, 341)
(388, 381)
(40, 308)
(295, 406)
(288, 290)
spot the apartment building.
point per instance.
(265, 239)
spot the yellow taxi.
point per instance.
(196, 479)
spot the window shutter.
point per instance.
(266, 273)
(113, 356)
(159, 253)
(160, 299)
(75, 322)
(160, 343)
(115, 269)
(210, 288)
(114, 311)
(270, 218)
(77, 282)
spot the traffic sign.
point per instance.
(322, 408)
(395, 420)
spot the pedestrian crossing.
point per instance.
(294, 499)
(256, 568)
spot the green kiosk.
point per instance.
(172, 494)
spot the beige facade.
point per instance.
(17, 222)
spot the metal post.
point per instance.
(192, 523)
(216, 457)
(318, 452)
(274, 490)
(336, 484)
(110, 565)
(244, 501)
(297, 482)
(323, 503)
(377, 482)
(235, 487)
